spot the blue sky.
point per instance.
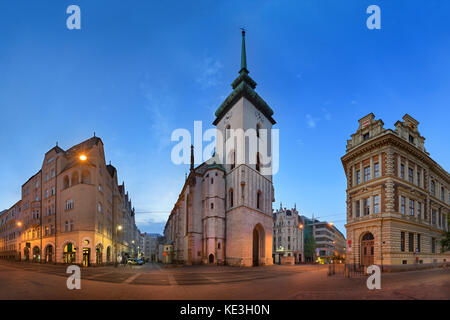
(137, 70)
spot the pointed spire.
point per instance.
(192, 157)
(243, 54)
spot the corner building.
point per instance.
(223, 214)
(72, 211)
(397, 196)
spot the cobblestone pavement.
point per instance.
(153, 281)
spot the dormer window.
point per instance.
(411, 139)
(366, 136)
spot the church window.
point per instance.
(231, 197)
(258, 164)
(218, 245)
(212, 205)
(233, 160)
(212, 180)
(258, 200)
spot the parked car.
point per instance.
(135, 261)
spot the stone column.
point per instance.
(371, 168)
(353, 175)
(380, 163)
(415, 175)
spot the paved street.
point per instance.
(153, 281)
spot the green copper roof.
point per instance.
(244, 86)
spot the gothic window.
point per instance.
(233, 160)
(227, 131)
(258, 127)
(230, 195)
(258, 164)
(212, 205)
(258, 200)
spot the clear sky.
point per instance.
(137, 70)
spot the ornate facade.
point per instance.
(397, 196)
(288, 239)
(223, 214)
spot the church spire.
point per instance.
(192, 157)
(243, 54)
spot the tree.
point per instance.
(445, 242)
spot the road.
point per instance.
(153, 281)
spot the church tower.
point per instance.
(244, 145)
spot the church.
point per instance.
(223, 214)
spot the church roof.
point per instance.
(243, 86)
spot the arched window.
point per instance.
(230, 196)
(66, 182)
(75, 178)
(258, 199)
(85, 177)
(227, 132)
(258, 163)
(233, 160)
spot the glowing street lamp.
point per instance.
(300, 226)
(119, 228)
(19, 224)
(83, 157)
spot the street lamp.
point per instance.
(83, 157)
(19, 224)
(119, 228)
